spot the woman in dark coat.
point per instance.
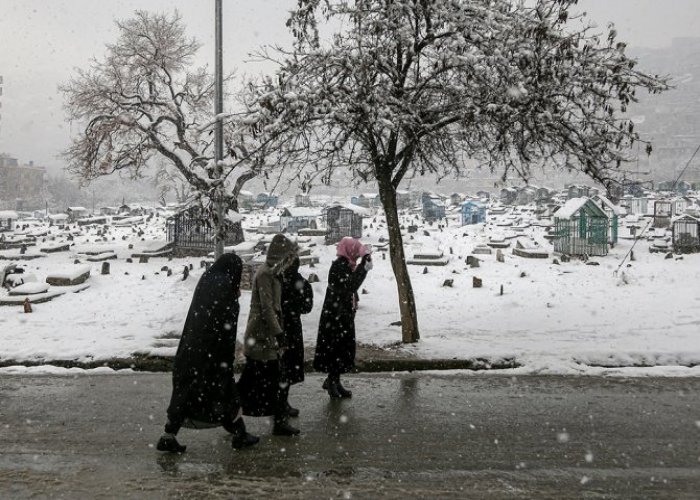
(335, 344)
(204, 390)
(297, 299)
(262, 385)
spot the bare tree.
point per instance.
(144, 102)
(417, 87)
(168, 180)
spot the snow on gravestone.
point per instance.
(70, 277)
(30, 289)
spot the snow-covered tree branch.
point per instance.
(415, 87)
(143, 103)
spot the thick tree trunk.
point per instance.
(407, 303)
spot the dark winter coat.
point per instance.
(265, 322)
(204, 389)
(262, 389)
(335, 344)
(297, 299)
(261, 385)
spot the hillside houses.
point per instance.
(22, 186)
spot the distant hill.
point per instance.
(672, 119)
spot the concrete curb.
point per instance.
(164, 364)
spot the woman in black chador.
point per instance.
(335, 344)
(297, 299)
(204, 390)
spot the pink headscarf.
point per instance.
(351, 249)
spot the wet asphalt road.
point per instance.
(401, 436)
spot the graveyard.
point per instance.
(488, 287)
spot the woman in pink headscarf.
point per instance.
(335, 344)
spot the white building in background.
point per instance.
(22, 187)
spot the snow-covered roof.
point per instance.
(572, 206)
(234, 216)
(475, 203)
(435, 200)
(609, 204)
(358, 210)
(302, 212)
(77, 209)
(8, 214)
(686, 216)
(58, 216)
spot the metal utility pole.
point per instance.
(219, 132)
(0, 99)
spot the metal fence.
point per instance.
(188, 230)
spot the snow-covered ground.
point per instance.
(551, 318)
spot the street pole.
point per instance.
(219, 132)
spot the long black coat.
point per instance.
(297, 299)
(335, 344)
(204, 389)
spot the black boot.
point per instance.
(291, 411)
(241, 438)
(282, 427)
(344, 393)
(168, 442)
(332, 388)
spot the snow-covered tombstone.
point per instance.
(409, 87)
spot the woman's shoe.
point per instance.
(291, 411)
(168, 442)
(332, 388)
(284, 429)
(241, 438)
(344, 393)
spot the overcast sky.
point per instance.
(41, 41)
